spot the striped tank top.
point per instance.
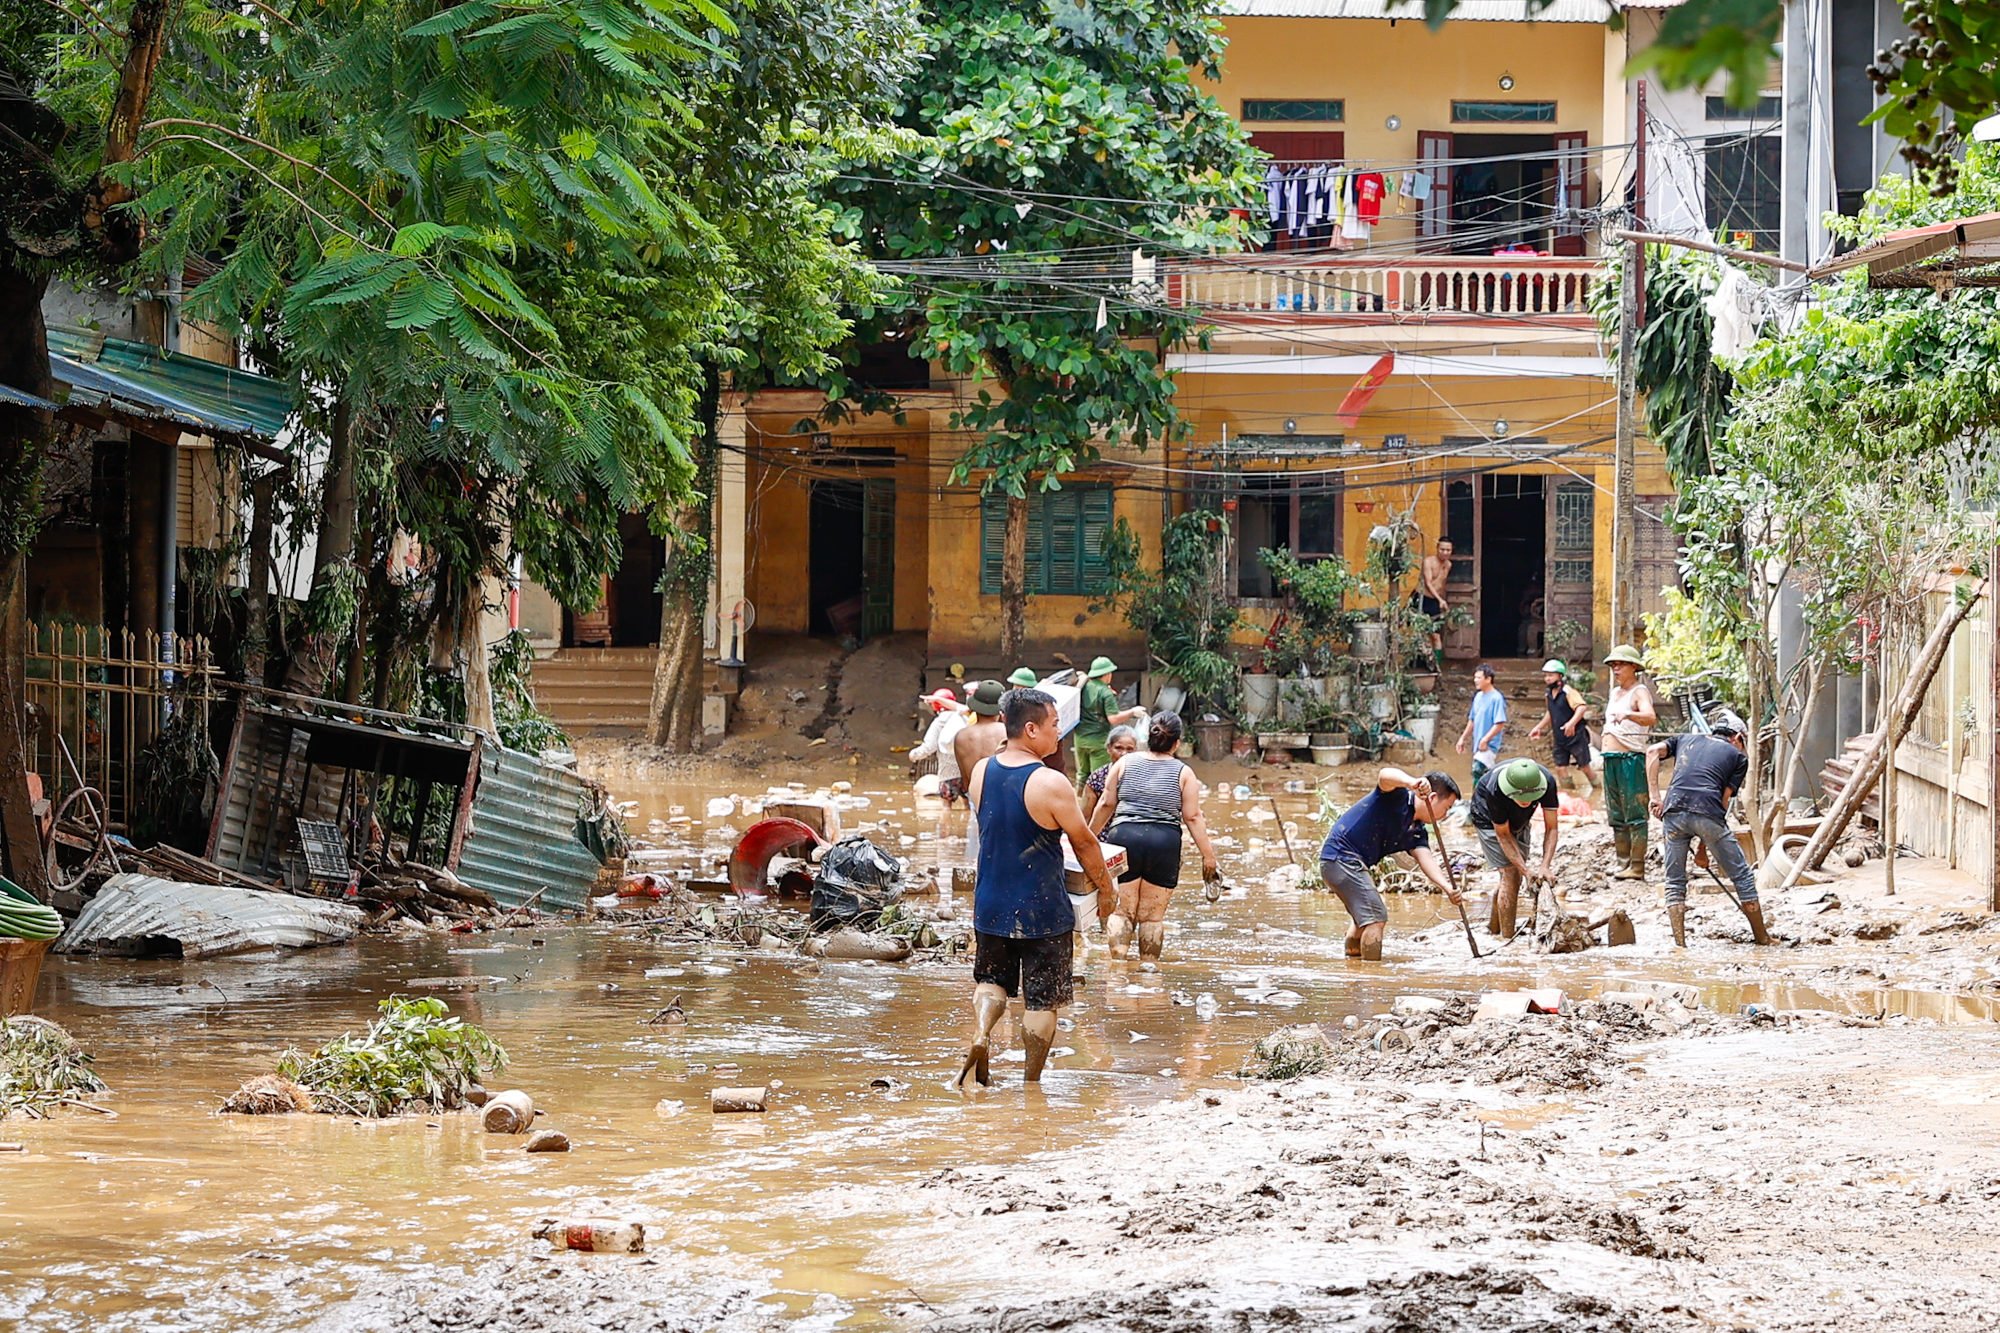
(1149, 790)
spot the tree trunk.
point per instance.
(1795, 758)
(1014, 582)
(674, 715)
(119, 230)
(478, 671)
(257, 597)
(24, 442)
(357, 642)
(1897, 719)
(310, 666)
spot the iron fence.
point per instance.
(105, 694)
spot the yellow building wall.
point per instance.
(965, 622)
(1381, 68)
(779, 550)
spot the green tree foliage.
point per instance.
(1686, 393)
(1185, 609)
(1060, 138)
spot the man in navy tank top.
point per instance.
(1021, 915)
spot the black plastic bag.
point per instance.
(856, 880)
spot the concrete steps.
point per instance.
(584, 688)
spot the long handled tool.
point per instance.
(1280, 816)
(1452, 875)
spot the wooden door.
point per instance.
(1461, 528)
(1572, 192)
(1569, 593)
(878, 556)
(1434, 223)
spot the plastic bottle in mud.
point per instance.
(596, 1235)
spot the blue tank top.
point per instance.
(1020, 891)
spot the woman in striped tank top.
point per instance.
(1149, 797)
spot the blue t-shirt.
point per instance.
(1488, 707)
(1380, 824)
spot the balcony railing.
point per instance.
(1499, 285)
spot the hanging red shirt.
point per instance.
(1368, 191)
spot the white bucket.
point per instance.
(1260, 696)
(1371, 641)
(1423, 730)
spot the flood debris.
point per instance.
(546, 1140)
(144, 916)
(733, 1101)
(593, 1235)
(267, 1094)
(510, 1112)
(43, 1068)
(414, 1057)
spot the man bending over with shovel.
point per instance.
(1021, 914)
(1503, 809)
(1708, 770)
(1388, 820)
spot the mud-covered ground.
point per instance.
(1600, 1171)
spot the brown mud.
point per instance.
(1589, 1171)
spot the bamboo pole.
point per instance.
(1896, 721)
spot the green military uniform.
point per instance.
(1093, 726)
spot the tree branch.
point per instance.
(321, 172)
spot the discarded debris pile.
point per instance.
(42, 1068)
(421, 893)
(1510, 1037)
(1586, 856)
(414, 1057)
(142, 916)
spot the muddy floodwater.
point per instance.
(169, 1216)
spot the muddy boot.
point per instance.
(1152, 938)
(1621, 842)
(986, 1011)
(1631, 854)
(1639, 836)
(1754, 914)
(1118, 935)
(1677, 917)
(1037, 1045)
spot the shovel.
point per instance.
(1452, 875)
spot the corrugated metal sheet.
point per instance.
(141, 380)
(145, 915)
(524, 834)
(21, 398)
(1476, 11)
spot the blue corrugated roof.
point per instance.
(21, 397)
(141, 380)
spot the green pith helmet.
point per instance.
(1625, 652)
(1024, 678)
(1102, 666)
(1555, 666)
(1523, 782)
(985, 699)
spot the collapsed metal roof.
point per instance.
(134, 379)
(1964, 252)
(21, 397)
(146, 916)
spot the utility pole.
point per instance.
(1624, 568)
(1631, 295)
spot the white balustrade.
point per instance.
(1499, 286)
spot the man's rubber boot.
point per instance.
(1638, 843)
(1754, 913)
(986, 1011)
(1678, 918)
(1152, 939)
(1621, 841)
(1118, 935)
(1038, 1054)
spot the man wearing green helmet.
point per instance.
(1503, 805)
(1097, 714)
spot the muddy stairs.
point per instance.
(584, 689)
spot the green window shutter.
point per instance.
(1035, 579)
(992, 542)
(1065, 540)
(1097, 519)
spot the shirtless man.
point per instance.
(1429, 597)
(984, 736)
